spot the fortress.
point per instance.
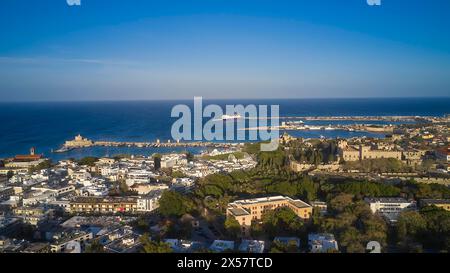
(78, 142)
(361, 152)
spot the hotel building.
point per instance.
(248, 210)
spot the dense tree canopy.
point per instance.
(353, 224)
(429, 227)
(88, 161)
(380, 165)
(41, 166)
(281, 222)
(368, 189)
(150, 246)
(172, 203)
(232, 227)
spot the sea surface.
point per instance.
(47, 125)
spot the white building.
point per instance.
(183, 246)
(80, 175)
(251, 246)
(149, 202)
(143, 189)
(67, 240)
(107, 170)
(182, 185)
(37, 197)
(322, 243)
(58, 191)
(389, 207)
(139, 177)
(172, 160)
(93, 190)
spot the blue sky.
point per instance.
(167, 49)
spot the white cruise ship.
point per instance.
(227, 117)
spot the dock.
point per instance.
(81, 142)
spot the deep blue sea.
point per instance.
(46, 125)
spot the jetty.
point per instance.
(81, 142)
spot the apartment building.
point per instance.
(149, 202)
(246, 211)
(32, 215)
(57, 191)
(389, 207)
(5, 193)
(65, 239)
(103, 204)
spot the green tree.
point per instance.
(281, 222)
(290, 247)
(368, 189)
(340, 202)
(149, 246)
(88, 161)
(437, 235)
(46, 164)
(157, 161)
(410, 224)
(428, 228)
(284, 188)
(353, 224)
(189, 156)
(173, 203)
(307, 189)
(271, 160)
(351, 239)
(232, 227)
(216, 185)
(178, 174)
(95, 247)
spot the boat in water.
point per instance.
(62, 150)
(231, 117)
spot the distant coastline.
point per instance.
(46, 125)
(225, 99)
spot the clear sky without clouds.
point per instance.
(168, 49)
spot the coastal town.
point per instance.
(224, 136)
(311, 195)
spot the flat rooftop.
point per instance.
(239, 211)
(261, 200)
(236, 208)
(300, 204)
(387, 200)
(92, 199)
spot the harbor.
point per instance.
(288, 123)
(80, 142)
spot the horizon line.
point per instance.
(224, 99)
